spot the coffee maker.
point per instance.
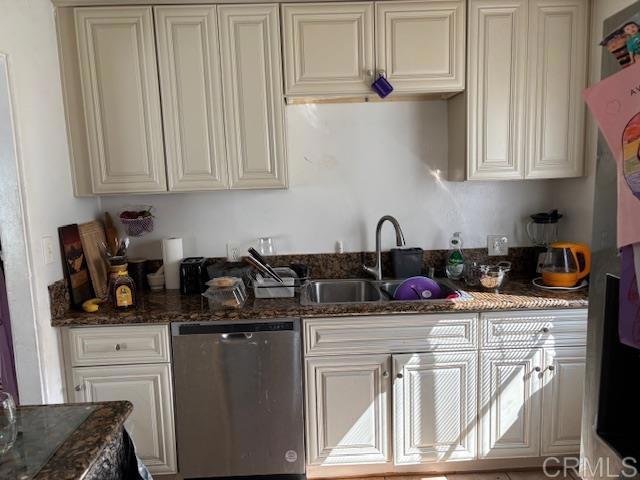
(542, 230)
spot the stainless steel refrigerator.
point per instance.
(611, 417)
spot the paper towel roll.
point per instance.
(171, 257)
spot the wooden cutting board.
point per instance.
(92, 236)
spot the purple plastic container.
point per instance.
(418, 288)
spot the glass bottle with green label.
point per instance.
(455, 259)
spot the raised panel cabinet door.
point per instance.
(191, 86)
(328, 48)
(148, 387)
(496, 89)
(253, 96)
(119, 77)
(420, 46)
(564, 371)
(559, 40)
(347, 401)
(435, 407)
(510, 403)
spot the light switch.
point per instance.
(497, 245)
(47, 250)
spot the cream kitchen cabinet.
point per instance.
(328, 48)
(204, 83)
(348, 400)
(522, 116)
(418, 45)
(253, 100)
(435, 407)
(191, 88)
(119, 79)
(128, 363)
(510, 403)
(563, 379)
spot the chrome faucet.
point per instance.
(376, 270)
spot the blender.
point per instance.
(542, 230)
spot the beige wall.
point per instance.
(27, 37)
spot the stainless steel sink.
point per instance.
(339, 291)
(317, 292)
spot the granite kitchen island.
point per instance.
(70, 441)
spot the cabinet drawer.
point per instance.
(389, 333)
(118, 345)
(533, 328)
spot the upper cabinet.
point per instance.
(558, 43)
(253, 101)
(522, 116)
(310, 31)
(191, 87)
(201, 83)
(119, 78)
(418, 46)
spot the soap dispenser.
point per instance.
(455, 260)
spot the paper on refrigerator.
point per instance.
(615, 104)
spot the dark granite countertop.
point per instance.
(63, 442)
(169, 306)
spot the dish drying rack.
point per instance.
(265, 287)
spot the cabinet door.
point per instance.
(420, 46)
(253, 97)
(562, 399)
(313, 30)
(191, 85)
(557, 74)
(496, 89)
(117, 59)
(148, 387)
(435, 407)
(510, 403)
(347, 401)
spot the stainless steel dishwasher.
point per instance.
(239, 401)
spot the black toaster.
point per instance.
(193, 275)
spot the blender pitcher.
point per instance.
(542, 230)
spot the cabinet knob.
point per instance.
(117, 347)
(78, 388)
(544, 330)
(370, 73)
(537, 369)
(551, 368)
(382, 73)
(399, 375)
(385, 374)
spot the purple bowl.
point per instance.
(418, 288)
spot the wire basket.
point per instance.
(139, 226)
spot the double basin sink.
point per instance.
(316, 292)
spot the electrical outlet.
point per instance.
(233, 252)
(47, 249)
(498, 245)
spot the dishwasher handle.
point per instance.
(229, 337)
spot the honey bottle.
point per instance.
(123, 291)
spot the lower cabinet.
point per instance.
(434, 407)
(562, 395)
(531, 401)
(148, 387)
(348, 409)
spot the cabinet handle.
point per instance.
(117, 347)
(385, 374)
(399, 375)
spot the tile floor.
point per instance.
(507, 475)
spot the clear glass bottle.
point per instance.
(455, 260)
(123, 291)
